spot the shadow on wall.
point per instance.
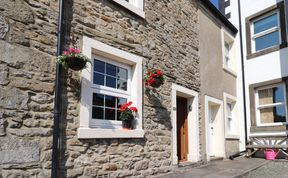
(159, 113)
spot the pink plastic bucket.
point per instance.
(270, 154)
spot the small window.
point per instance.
(266, 31)
(228, 50)
(230, 116)
(271, 105)
(231, 119)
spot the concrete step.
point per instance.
(215, 158)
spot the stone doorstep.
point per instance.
(216, 159)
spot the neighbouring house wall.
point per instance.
(214, 80)
(263, 69)
(166, 39)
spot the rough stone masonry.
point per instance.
(167, 39)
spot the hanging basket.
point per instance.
(76, 63)
(154, 78)
(157, 83)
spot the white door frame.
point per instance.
(218, 127)
(193, 123)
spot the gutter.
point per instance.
(243, 73)
(58, 93)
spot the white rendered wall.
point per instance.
(266, 67)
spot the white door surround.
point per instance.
(193, 123)
(215, 107)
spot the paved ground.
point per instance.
(273, 169)
(222, 169)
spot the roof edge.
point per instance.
(220, 16)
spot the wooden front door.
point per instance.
(182, 129)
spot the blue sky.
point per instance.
(215, 2)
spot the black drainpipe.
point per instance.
(57, 100)
(243, 84)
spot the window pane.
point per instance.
(118, 115)
(99, 66)
(278, 93)
(121, 101)
(109, 114)
(227, 48)
(122, 84)
(266, 23)
(110, 101)
(273, 114)
(229, 124)
(98, 79)
(229, 109)
(267, 41)
(97, 113)
(271, 95)
(110, 82)
(111, 70)
(98, 99)
(227, 61)
(122, 73)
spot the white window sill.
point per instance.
(272, 124)
(90, 133)
(232, 136)
(230, 71)
(130, 7)
(269, 134)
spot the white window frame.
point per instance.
(135, 6)
(271, 30)
(226, 37)
(234, 134)
(257, 107)
(105, 128)
(104, 90)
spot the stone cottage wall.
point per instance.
(167, 39)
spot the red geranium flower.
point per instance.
(154, 78)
